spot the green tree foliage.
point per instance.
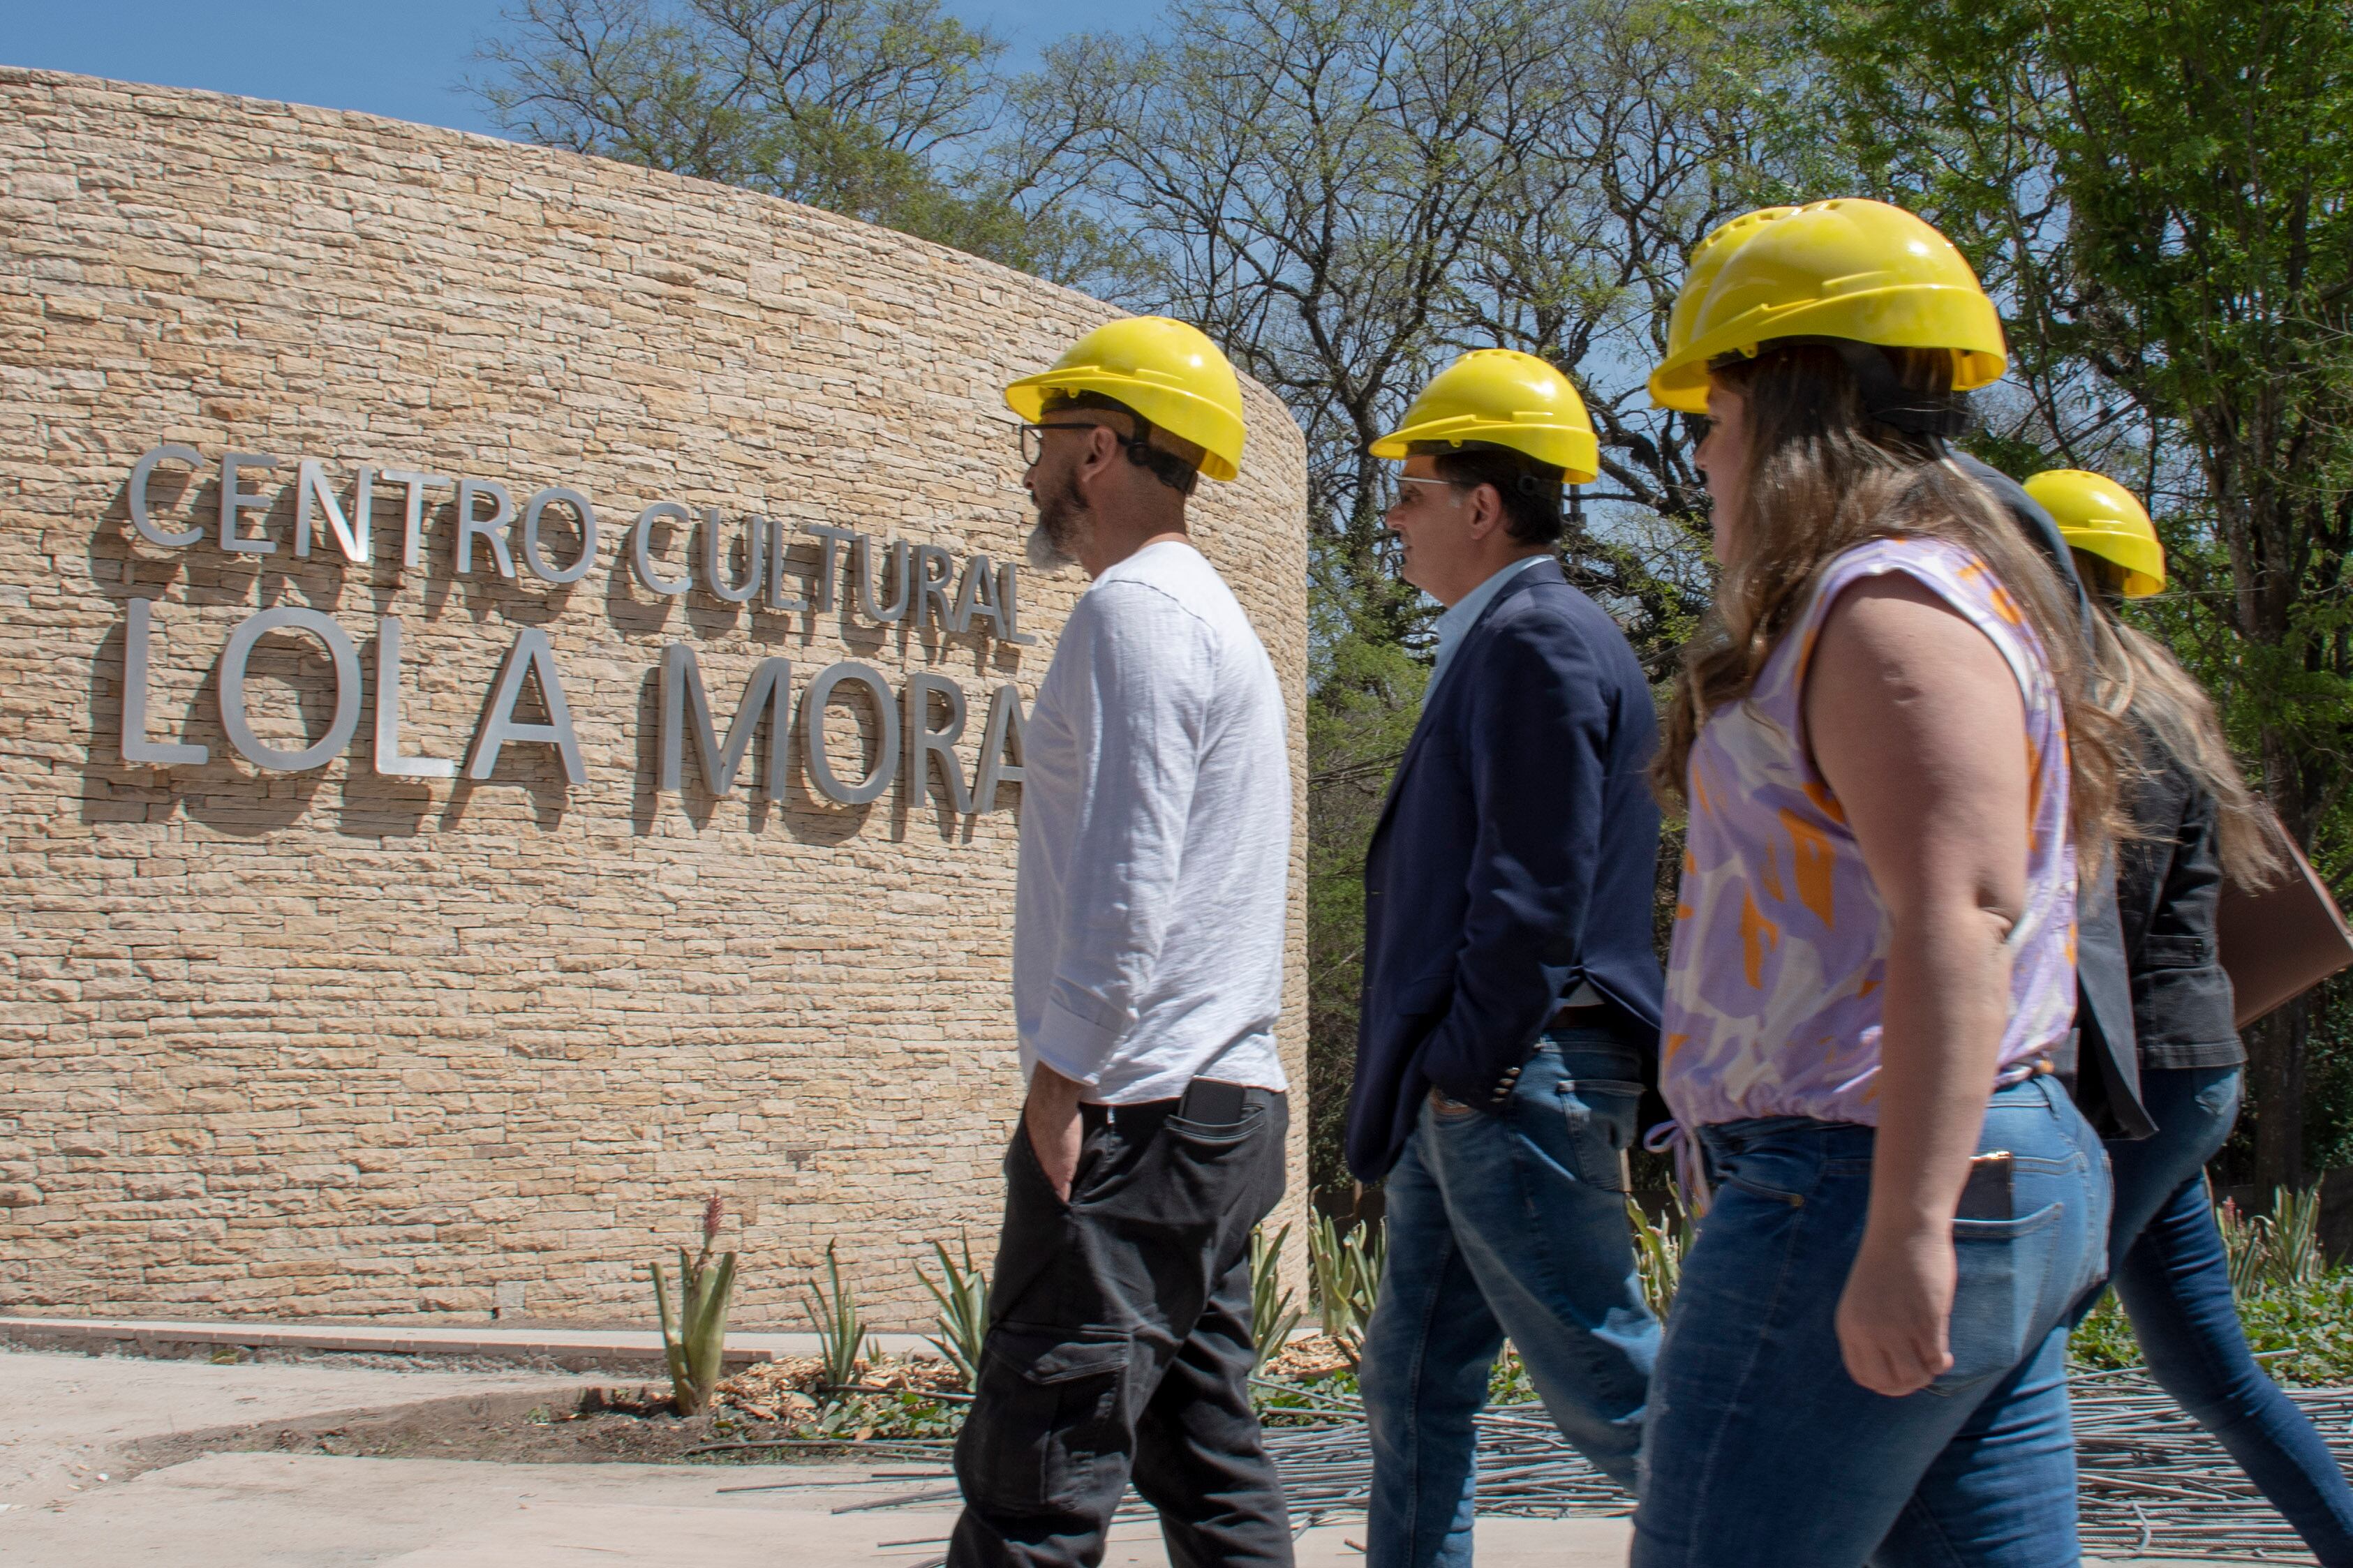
(1348, 192)
(2159, 194)
(879, 109)
(1364, 696)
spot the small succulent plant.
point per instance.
(694, 1333)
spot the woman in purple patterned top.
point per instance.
(1891, 772)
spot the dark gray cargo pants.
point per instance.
(1119, 1348)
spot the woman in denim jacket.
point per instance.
(1891, 765)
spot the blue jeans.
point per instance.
(2174, 1277)
(1764, 1453)
(1510, 1223)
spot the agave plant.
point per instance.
(2245, 1239)
(2294, 1240)
(1659, 1252)
(1346, 1271)
(842, 1339)
(1273, 1317)
(695, 1336)
(962, 1292)
(2282, 1248)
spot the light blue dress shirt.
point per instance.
(1464, 614)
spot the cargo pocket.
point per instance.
(1997, 1295)
(1045, 1432)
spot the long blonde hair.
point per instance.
(1823, 475)
(2139, 677)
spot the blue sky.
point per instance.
(402, 58)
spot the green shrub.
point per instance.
(2301, 1329)
(1659, 1252)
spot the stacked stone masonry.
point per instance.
(330, 1042)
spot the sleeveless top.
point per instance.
(1774, 983)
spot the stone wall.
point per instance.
(343, 1042)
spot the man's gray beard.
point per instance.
(1041, 553)
(1054, 542)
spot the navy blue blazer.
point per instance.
(1515, 857)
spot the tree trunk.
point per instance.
(2276, 1046)
(2275, 1050)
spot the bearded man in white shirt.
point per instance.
(1155, 848)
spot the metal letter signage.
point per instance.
(492, 530)
(531, 655)
(886, 734)
(235, 500)
(1002, 736)
(641, 547)
(925, 743)
(715, 555)
(389, 762)
(534, 510)
(684, 707)
(136, 747)
(310, 487)
(251, 630)
(142, 472)
(412, 516)
(930, 590)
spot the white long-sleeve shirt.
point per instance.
(1156, 840)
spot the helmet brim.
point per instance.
(1182, 414)
(1960, 320)
(2126, 547)
(1576, 453)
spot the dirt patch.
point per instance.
(601, 1426)
(786, 1402)
(1309, 1357)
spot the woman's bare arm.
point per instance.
(1916, 723)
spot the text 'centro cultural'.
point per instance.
(916, 730)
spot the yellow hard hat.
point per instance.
(1707, 259)
(1502, 397)
(2100, 517)
(1850, 268)
(1169, 373)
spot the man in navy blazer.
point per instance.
(1511, 997)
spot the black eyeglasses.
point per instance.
(1412, 487)
(1033, 436)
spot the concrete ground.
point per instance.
(62, 1507)
(68, 1415)
(269, 1511)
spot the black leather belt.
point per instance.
(1139, 1113)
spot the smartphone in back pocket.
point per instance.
(1212, 1102)
(1986, 1194)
